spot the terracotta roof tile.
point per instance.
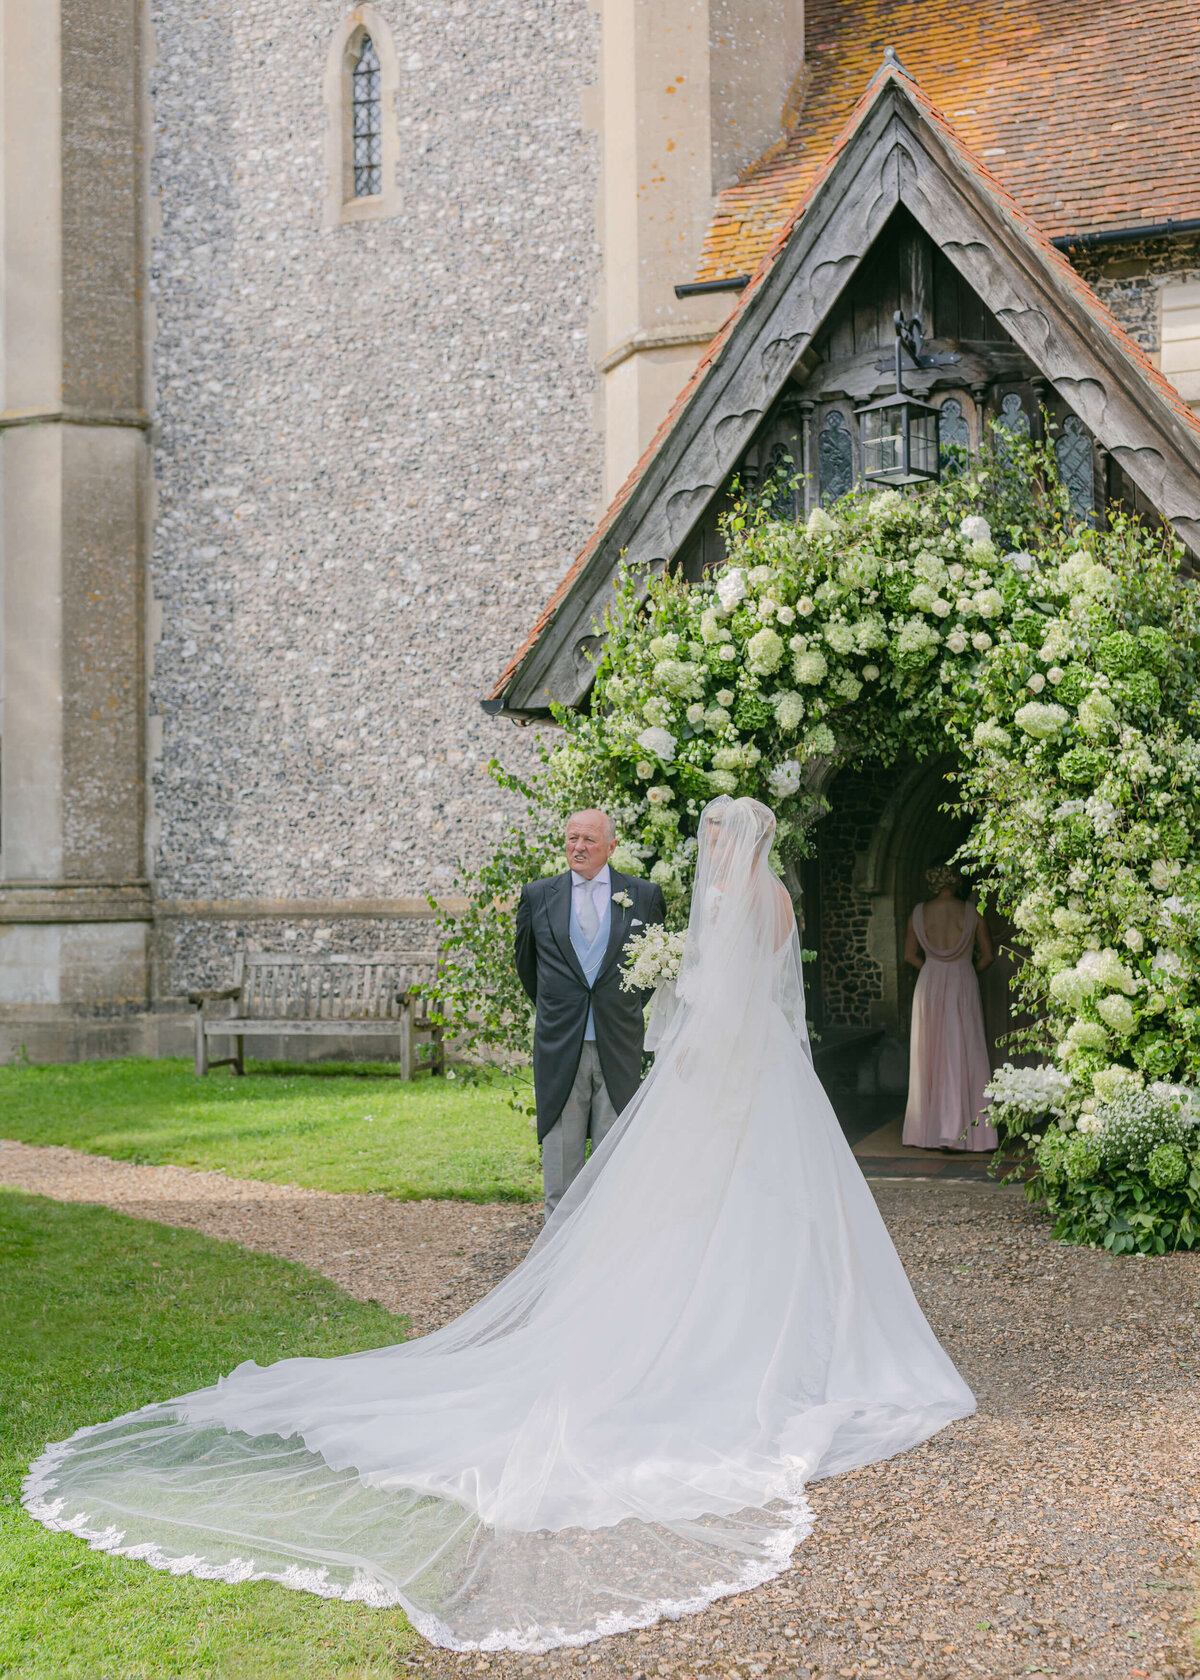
(1088, 113)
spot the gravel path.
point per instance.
(1054, 1533)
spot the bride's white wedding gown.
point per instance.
(623, 1428)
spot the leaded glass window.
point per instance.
(779, 491)
(954, 437)
(835, 459)
(1074, 452)
(1012, 417)
(367, 116)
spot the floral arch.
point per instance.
(1056, 661)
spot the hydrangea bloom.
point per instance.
(1097, 715)
(976, 529)
(819, 523)
(731, 587)
(784, 779)
(819, 741)
(680, 678)
(789, 710)
(810, 667)
(1040, 720)
(660, 742)
(988, 603)
(989, 734)
(841, 637)
(764, 652)
(1117, 1012)
(722, 781)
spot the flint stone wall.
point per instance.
(375, 447)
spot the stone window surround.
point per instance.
(337, 91)
(1179, 335)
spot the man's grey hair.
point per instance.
(610, 827)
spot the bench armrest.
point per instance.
(201, 998)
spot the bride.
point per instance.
(622, 1430)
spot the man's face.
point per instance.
(588, 845)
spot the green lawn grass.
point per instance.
(100, 1314)
(343, 1128)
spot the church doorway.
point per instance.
(885, 827)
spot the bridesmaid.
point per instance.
(949, 1064)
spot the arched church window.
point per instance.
(954, 436)
(367, 118)
(835, 457)
(1074, 453)
(1012, 417)
(362, 145)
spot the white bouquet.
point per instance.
(652, 957)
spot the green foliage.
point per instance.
(100, 1314)
(347, 1127)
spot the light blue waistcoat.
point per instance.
(590, 956)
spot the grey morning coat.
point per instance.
(550, 972)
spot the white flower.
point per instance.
(1160, 875)
(840, 637)
(990, 734)
(725, 697)
(695, 713)
(988, 603)
(660, 795)
(710, 630)
(847, 686)
(731, 588)
(981, 641)
(784, 779)
(806, 605)
(652, 956)
(956, 572)
(722, 781)
(1033, 1091)
(623, 898)
(789, 710)
(757, 576)
(885, 504)
(976, 529)
(1040, 720)
(1055, 675)
(1097, 715)
(819, 523)
(764, 652)
(1117, 1012)
(941, 608)
(819, 742)
(956, 641)
(727, 651)
(766, 609)
(1036, 683)
(870, 632)
(922, 596)
(678, 677)
(716, 717)
(1168, 962)
(645, 770)
(870, 672)
(810, 667)
(663, 875)
(1133, 938)
(660, 742)
(1019, 561)
(662, 647)
(786, 615)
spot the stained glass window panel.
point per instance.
(835, 459)
(367, 114)
(954, 436)
(1074, 452)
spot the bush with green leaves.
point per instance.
(1127, 1178)
(1057, 662)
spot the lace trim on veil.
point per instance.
(795, 1518)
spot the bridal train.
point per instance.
(623, 1428)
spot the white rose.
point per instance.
(645, 770)
(956, 572)
(727, 651)
(941, 608)
(786, 615)
(725, 697)
(1036, 683)
(660, 795)
(1055, 674)
(1160, 875)
(981, 640)
(805, 605)
(870, 672)
(731, 588)
(956, 641)
(695, 713)
(1133, 938)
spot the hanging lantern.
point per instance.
(899, 434)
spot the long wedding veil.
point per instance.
(622, 1428)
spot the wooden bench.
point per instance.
(283, 996)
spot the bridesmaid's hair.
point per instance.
(942, 875)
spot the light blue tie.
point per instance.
(589, 920)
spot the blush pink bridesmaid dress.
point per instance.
(949, 1064)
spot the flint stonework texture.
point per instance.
(375, 441)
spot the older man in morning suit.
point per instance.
(587, 1041)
